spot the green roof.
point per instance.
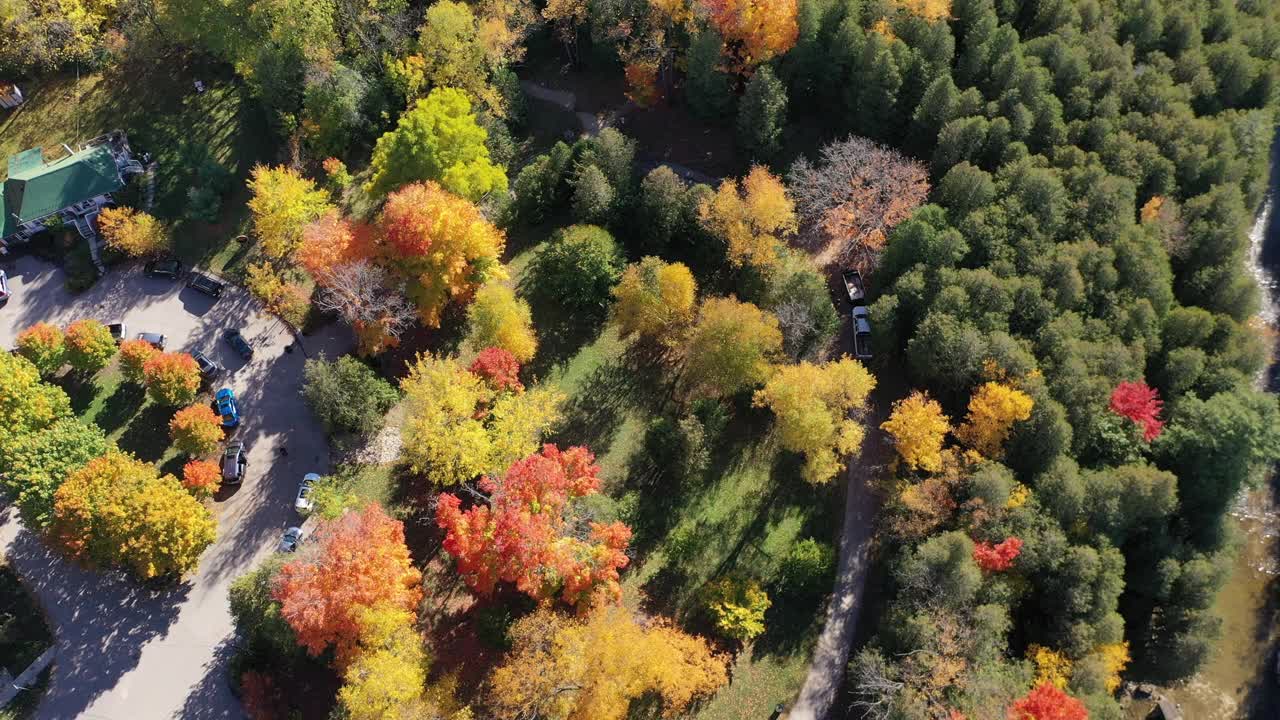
(35, 188)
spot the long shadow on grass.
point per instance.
(120, 407)
(594, 414)
(147, 435)
(80, 389)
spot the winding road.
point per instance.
(125, 651)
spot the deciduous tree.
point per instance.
(441, 243)
(593, 668)
(527, 532)
(386, 677)
(437, 140)
(993, 410)
(499, 319)
(369, 299)
(356, 563)
(283, 203)
(201, 478)
(737, 607)
(752, 222)
(329, 241)
(655, 300)
(171, 378)
(918, 427)
(754, 31)
(1141, 404)
(33, 465)
(45, 346)
(90, 346)
(498, 368)
(26, 403)
(998, 557)
(347, 395)
(132, 232)
(134, 355)
(730, 347)
(1046, 702)
(196, 430)
(811, 405)
(576, 270)
(283, 296)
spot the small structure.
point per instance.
(70, 190)
(10, 95)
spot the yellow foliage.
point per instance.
(812, 404)
(654, 298)
(883, 27)
(1052, 666)
(1018, 497)
(500, 319)
(993, 410)
(592, 668)
(918, 426)
(286, 299)
(1151, 210)
(931, 10)
(1116, 658)
(730, 348)
(283, 203)
(389, 669)
(132, 232)
(753, 222)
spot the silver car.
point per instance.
(303, 504)
(290, 540)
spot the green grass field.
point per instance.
(127, 416)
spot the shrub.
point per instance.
(808, 569)
(346, 395)
(90, 345)
(171, 379)
(134, 355)
(45, 346)
(196, 430)
(201, 478)
(737, 607)
(576, 271)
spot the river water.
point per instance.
(1241, 680)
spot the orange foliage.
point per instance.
(196, 430)
(329, 241)
(998, 557)
(171, 378)
(134, 355)
(1047, 702)
(359, 561)
(201, 477)
(642, 82)
(754, 31)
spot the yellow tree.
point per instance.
(754, 31)
(90, 345)
(812, 404)
(593, 668)
(441, 243)
(752, 221)
(26, 403)
(931, 10)
(654, 299)
(499, 319)
(918, 427)
(283, 203)
(196, 430)
(132, 232)
(993, 410)
(730, 348)
(45, 346)
(386, 677)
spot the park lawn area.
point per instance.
(127, 416)
(23, 633)
(155, 103)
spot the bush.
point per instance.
(576, 271)
(90, 346)
(346, 395)
(196, 430)
(736, 606)
(45, 346)
(808, 569)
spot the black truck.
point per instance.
(206, 284)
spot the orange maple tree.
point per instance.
(196, 430)
(330, 241)
(1046, 702)
(356, 562)
(171, 378)
(525, 534)
(201, 478)
(754, 31)
(499, 368)
(998, 557)
(134, 355)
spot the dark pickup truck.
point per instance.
(854, 287)
(206, 284)
(861, 333)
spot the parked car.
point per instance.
(241, 346)
(861, 333)
(227, 407)
(169, 268)
(156, 339)
(209, 370)
(854, 287)
(234, 461)
(118, 332)
(206, 284)
(291, 539)
(4, 286)
(303, 503)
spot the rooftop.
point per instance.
(36, 188)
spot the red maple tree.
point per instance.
(499, 368)
(527, 533)
(1140, 404)
(356, 562)
(1046, 702)
(998, 557)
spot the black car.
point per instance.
(234, 461)
(168, 268)
(117, 332)
(156, 339)
(209, 370)
(237, 341)
(206, 284)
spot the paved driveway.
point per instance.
(125, 652)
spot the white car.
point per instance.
(4, 286)
(303, 503)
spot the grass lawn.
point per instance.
(156, 105)
(127, 416)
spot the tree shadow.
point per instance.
(173, 466)
(80, 389)
(147, 435)
(120, 406)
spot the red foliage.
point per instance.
(1140, 404)
(1046, 702)
(525, 535)
(499, 368)
(359, 561)
(997, 558)
(201, 477)
(261, 697)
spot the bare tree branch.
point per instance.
(365, 296)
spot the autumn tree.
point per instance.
(134, 355)
(132, 232)
(33, 465)
(196, 430)
(1141, 404)
(332, 240)
(993, 410)
(730, 347)
(497, 318)
(752, 221)
(811, 405)
(754, 31)
(441, 244)
(593, 668)
(918, 428)
(45, 346)
(171, 378)
(436, 140)
(201, 478)
(655, 299)
(855, 193)
(931, 10)
(280, 291)
(117, 510)
(527, 532)
(283, 203)
(566, 16)
(369, 299)
(26, 403)
(1046, 702)
(355, 563)
(90, 346)
(998, 557)
(736, 606)
(386, 677)
(498, 368)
